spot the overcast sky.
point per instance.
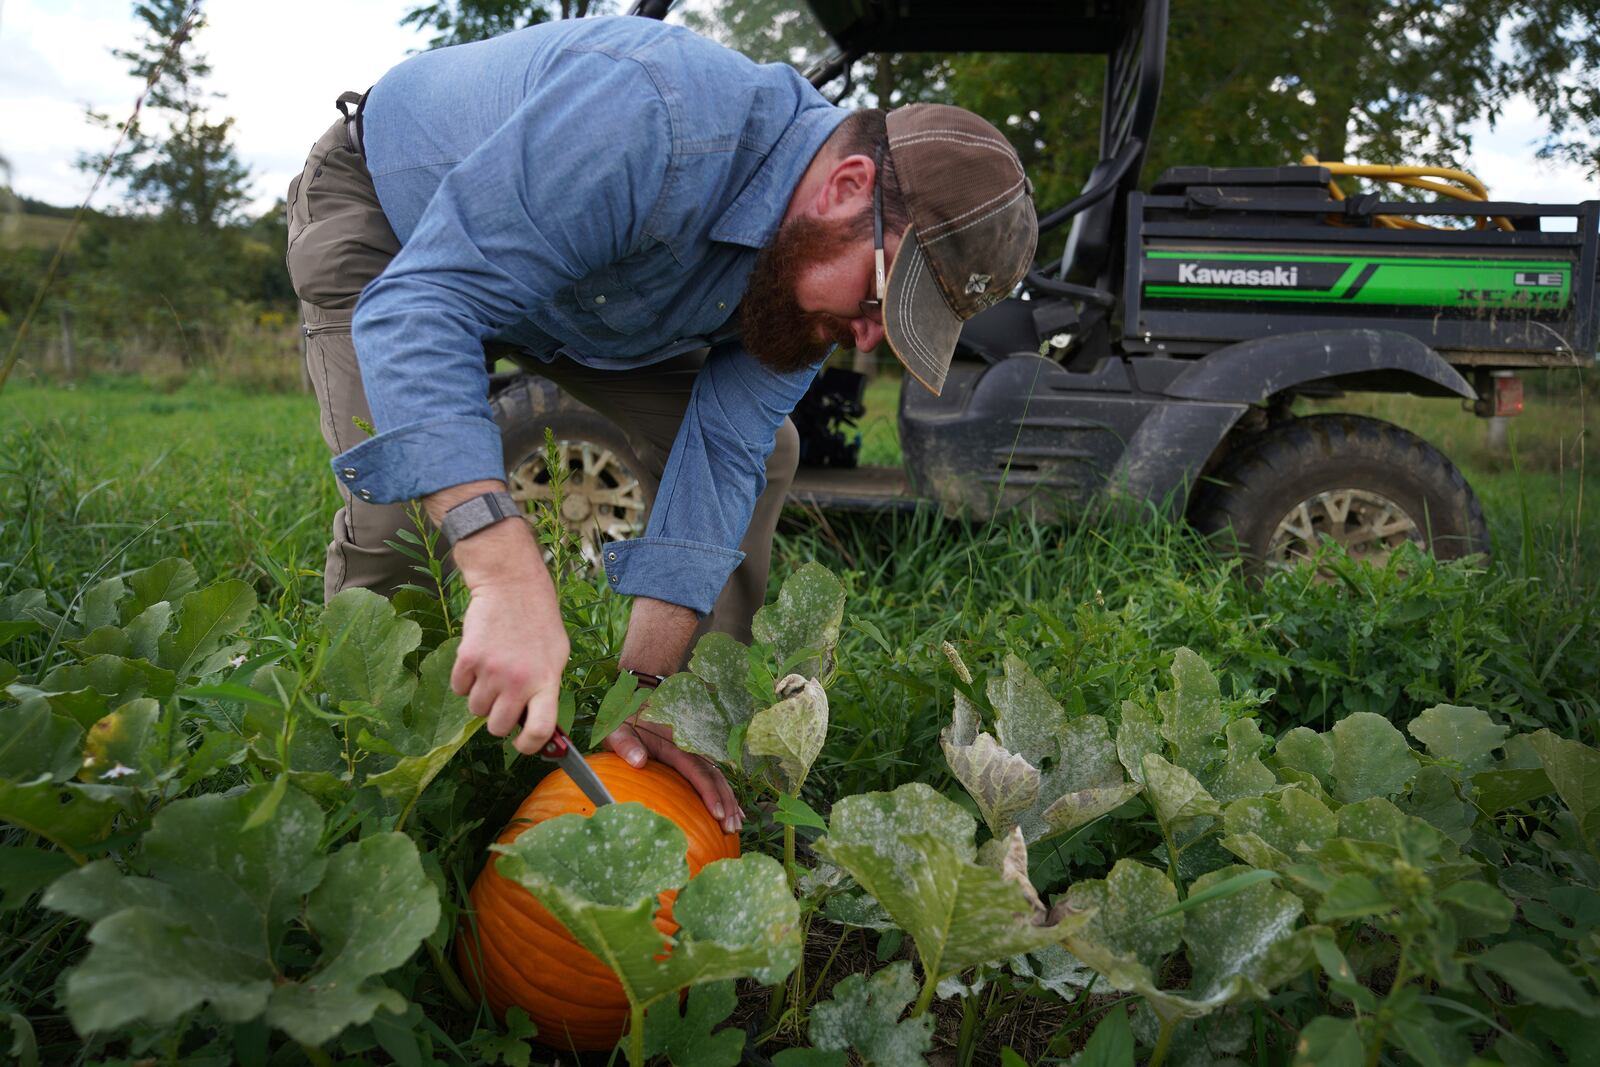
(281, 63)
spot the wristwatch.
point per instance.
(470, 516)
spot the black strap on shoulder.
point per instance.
(354, 120)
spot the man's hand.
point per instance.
(637, 741)
(513, 643)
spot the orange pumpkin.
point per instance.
(529, 959)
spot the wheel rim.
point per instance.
(601, 501)
(1369, 525)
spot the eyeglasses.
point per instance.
(873, 309)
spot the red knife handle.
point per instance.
(556, 747)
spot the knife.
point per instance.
(560, 750)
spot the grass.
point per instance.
(23, 230)
(111, 472)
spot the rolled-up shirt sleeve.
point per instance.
(510, 226)
(717, 469)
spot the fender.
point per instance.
(1171, 446)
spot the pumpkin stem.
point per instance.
(636, 1034)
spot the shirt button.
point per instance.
(365, 494)
(349, 474)
(721, 306)
(614, 579)
(612, 556)
(601, 299)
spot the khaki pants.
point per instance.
(339, 240)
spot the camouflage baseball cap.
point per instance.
(972, 233)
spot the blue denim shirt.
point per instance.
(595, 189)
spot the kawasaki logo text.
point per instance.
(1194, 274)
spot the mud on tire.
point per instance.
(1353, 479)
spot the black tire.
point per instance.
(1250, 504)
(523, 410)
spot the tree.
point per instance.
(177, 162)
(460, 21)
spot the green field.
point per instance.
(1075, 629)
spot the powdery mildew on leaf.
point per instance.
(706, 703)
(912, 849)
(600, 877)
(1242, 773)
(1268, 831)
(1028, 721)
(1003, 785)
(1308, 751)
(1243, 944)
(1137, 735)
(1191, 713)
(1085, 783)
(864, 1016)
(791, 731)
(807, 615)
(1370, 758)
(1176, 795)
(1464, 736)
(1121, 925)
(1055, 969)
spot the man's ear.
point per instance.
(847, 188)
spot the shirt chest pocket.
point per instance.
(618, 305)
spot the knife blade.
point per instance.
(561, 750)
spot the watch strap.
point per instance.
(470, 516)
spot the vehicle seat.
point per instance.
(1088, 250)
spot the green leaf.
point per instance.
(1055, 969)
(369, 914)
(206, 618)
(805, 618)
(1537, 978)
(24, 1045)
(1481, 909)
(1353, 896)
(1574, 770)
(511, 1047)
(123, 747)
(11, 629)
(1329, 1042)
(217, 750)
(167, 581)
(791, 731)
(792, 811)
(913, 851)
(1464, 736)
(1177, 797)
(232, 891)
(429, 733)
(119, 680)
(864, 1016)
(367, 647)
(1500, 789)
(809, 1057)
(1111, 1044)
(705, 704)
(143, 633)
(600, 877)
(1434, 798)
(66, 814)
(99, 604)
(623, 699)
(1191, 713)
(1370, 758)
(688, 1040)
(98, 889)
(36, 744)
(24, 871)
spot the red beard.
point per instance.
(775, 330)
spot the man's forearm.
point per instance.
(503, 552)
(658, 636)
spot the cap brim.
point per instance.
(920, 327)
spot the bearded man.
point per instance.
(672, 234)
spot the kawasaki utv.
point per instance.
(1159, 358)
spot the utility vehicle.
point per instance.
(1157, 361)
